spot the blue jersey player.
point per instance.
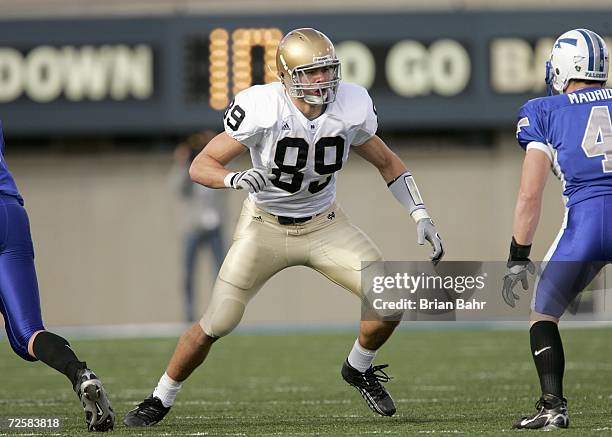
(571, 132)
(20, 306)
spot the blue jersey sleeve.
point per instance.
(530, 126)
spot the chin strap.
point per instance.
(314, 100)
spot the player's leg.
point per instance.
(340, 251)
(549, 359)
(20, 307)
(256, 255)
(55, 351)
(570, 265)
(225, 311)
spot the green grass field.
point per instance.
(445, 382)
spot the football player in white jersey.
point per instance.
(299, 132)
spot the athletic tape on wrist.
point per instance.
(229, 178)
(407, 193)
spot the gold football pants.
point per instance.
(328, 243)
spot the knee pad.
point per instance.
(223, 318)
(225, 309)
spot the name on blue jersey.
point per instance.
(590, 96)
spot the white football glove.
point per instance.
(426, 230)
(254, 180)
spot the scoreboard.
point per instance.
(177, 74)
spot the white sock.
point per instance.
(361, 358)
(166, 390)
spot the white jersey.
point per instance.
(305, 155)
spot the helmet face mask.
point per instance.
(316, 92)
(308, 67)
(550, 80)
(579, 54)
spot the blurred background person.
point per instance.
(204, 209)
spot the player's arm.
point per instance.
(402, 185)
(208, 168)
(377, 153)
(536, 167)
(396, 175)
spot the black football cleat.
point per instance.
(99, 414)
(551, 414)
(147, 413)
(369, 385)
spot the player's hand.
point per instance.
(426, 230)
(515, 273)
(254, 180)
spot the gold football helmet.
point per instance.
(308, 67)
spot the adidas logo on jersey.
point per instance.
(285, 126)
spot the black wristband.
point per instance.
(519, 252)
